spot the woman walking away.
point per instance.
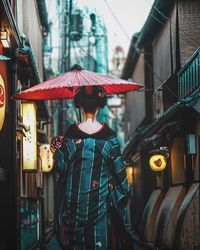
(90, 177)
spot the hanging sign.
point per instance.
(46, 157)
(2, 102)
(30, 140)
(157, 162)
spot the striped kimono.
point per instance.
(90, 174)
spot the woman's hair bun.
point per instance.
(90, 98)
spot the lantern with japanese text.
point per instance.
(46, 157)
(30, 139)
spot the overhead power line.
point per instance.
(196, 43)
(140, 53)
(117, 20)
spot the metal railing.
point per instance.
(189, 76)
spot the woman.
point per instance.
(90, 176)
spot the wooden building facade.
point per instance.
(23, 27)
(164, 119)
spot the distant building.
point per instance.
(83, 41)
(118, 61)
(116, 102)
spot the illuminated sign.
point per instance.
(2, 102)
(157, 162)
(129, 173)
(30, 140)
(46, 158)
(5, 38)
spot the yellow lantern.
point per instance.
(46, 158)
(2, 102)
(129, 173)
(30, 140)
(157, 162)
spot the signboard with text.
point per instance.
(30, 140)
(46, 157)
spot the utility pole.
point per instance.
(69, 35)
(101, 37)
(64, 35)
(88, 53)
(63, 56)
(106, 49)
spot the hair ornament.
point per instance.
(88, 90)
(101, 94)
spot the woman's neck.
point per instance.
(90, 117)
(90, 123)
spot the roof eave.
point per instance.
(152, 128)
(130, 59)
(154, 21)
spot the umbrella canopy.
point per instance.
(65, 85)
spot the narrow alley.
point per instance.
(100, 124)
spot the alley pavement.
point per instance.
(52, 244)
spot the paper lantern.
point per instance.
(129, 173)
(157, 162)
(30, 140)
(46, 157)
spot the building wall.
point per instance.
(29, 23)
(135, 108)
(197, 158)
(32, 185)
(182, 170)
(177, 161)
(164, 60)
(189, 22)
(49, 197)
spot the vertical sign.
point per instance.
(2, 102)
(46, 158)
(30, 140)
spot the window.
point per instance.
(178, 161)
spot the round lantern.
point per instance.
(157, 162)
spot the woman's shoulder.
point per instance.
(105, 133)
(70, 132)
(108, 132)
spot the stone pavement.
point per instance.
(53, 245)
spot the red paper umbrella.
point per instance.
(64, 86)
